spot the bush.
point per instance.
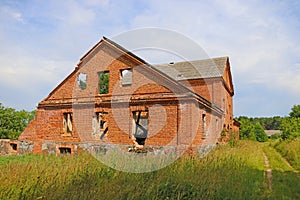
(275, 136)
(290, 128)
(13, 122)
(252, 131)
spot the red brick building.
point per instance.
(114, 97)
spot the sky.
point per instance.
(42, 41)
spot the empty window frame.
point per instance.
(103, 82)
(126, 77)
(64, 150)
(140, 126)
(100, 124)
(14, 146)
(204, 124)
(217, 127)
(67, 123)
(81, 81)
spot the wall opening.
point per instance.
(217, 128)
(126, 77)
(64, 150)
(204, 125)
(13, 146)
(103, 82)
(100, 124)
(140, 126)
(81, 80)
(67, 123)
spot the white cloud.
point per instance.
(10, 14)
(27, 73)
(73, 13)
(261, 38)
(103, 3)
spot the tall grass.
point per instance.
(285, 182)
(290, 149)
(226, 173)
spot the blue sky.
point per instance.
(42, 41)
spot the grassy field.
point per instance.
(226, 173)
(291, 151)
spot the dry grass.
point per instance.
(226, 173)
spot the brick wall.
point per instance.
(174, 116)
(219, 91)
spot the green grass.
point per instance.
(226, 173)
(285, 182)
(277, 162)
(290, 149)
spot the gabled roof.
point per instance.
(154, 69)
(209, 68)
(161, 73)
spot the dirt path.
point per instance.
(268, 171)
(293, 169)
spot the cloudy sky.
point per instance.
(42, 41)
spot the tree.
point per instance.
(295, 111)
(103, 82)
(13, 122)
(82, 85)
(290, 128)
(251, 129)
(268, 123)
(260, 134)
(246, 128)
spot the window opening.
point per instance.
(64, 150)
(217, 127)
(13, 146)
(81, 80)
(126, 76)
(140, 126)
(204, 124)
(103, 82)
(67, 123)
(100, 124)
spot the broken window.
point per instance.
(103, 82)
(81, 80)
(13, 146)
(100, 124)
(217, 127)
(204, 124)
(140, 126)
(67, 123)
(126, 76)
(64, 150)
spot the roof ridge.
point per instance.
(195, 69)
(172, 63)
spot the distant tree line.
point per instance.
(268, 123)
(253, 128)
(13, 122)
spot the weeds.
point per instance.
(225, 173)
(290, 149)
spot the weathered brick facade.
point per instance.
(188, 112)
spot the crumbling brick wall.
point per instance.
(170, 106)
